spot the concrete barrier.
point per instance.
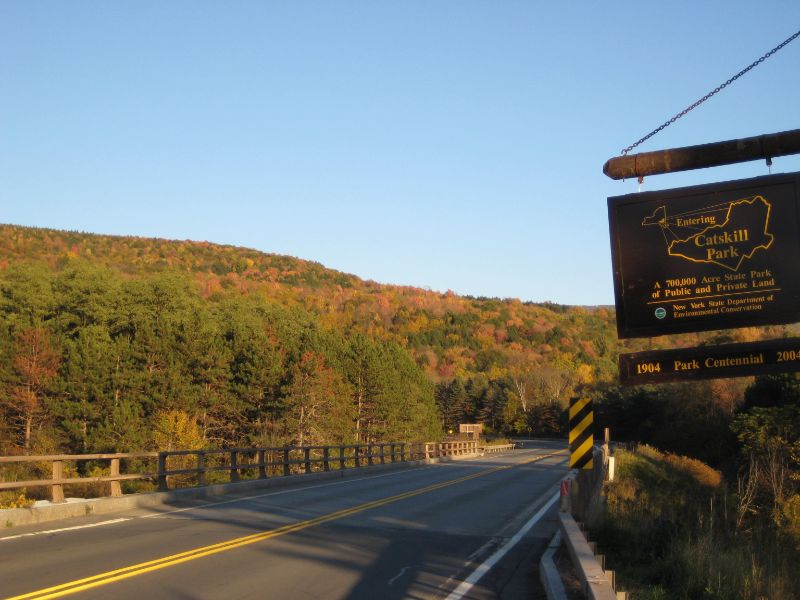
(581, 497)
(594, 582)
(548, 573)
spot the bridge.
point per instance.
(472, 527)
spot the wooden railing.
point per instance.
(288, 460)
(444, 449)
(58, 481)
(250, 463)
(496, 448)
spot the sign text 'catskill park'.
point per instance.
(716, 256)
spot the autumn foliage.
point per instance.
(101, 336)
(259, 348)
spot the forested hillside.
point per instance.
(120, 343)
(113, 343)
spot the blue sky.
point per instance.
(443, 144)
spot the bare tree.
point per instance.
(746, 486)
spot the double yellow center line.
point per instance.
(101, 579)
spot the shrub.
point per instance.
(665, 532)
(790, 519)
(15, 499)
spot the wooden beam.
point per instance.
(705, 155)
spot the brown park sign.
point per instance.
(710, 362)
(716, 256)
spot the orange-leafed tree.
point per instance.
(317, 403)
(35, 364)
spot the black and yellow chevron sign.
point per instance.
(581, 438)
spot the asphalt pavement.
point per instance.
(443, 530)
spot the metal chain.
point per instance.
(711, 93)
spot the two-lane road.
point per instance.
(420, 532)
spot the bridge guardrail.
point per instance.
(58, 481)
(580, 502)
(491, 448)
(286, 460)
(261, 463)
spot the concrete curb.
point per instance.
(548, 573)
(14, 517)
(594, 581)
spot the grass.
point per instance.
(668, 531)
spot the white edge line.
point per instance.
(466, 585)
(33, 533)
